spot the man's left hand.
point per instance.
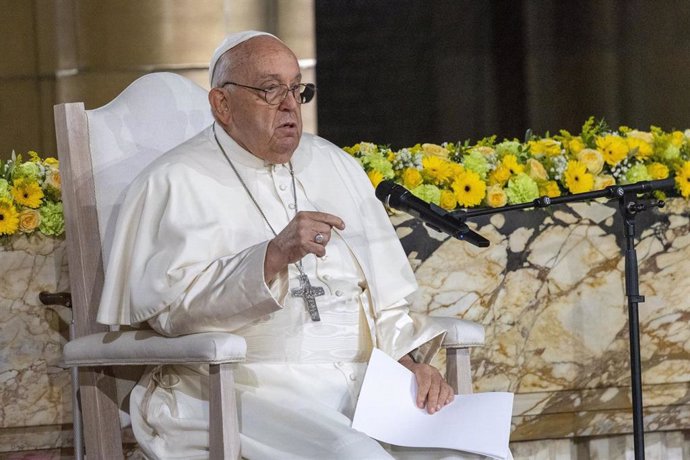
(433, 392)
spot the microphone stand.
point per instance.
(629, 205)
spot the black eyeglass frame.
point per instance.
(308, 90)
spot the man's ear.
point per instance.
(220, 105)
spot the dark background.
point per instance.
(400, 72)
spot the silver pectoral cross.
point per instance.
(309, 294)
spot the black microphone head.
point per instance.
(384, 189)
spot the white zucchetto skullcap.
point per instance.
(230, 42)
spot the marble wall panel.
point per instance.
(35, 393)
(550, 294)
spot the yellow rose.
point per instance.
(677, 138)
(448, 201)
(550, 189)
(575, 145)
(642, 135)
(603, 181)
(548, 147)
(593, 159)
(484, 150)
(29, 220)
(435, 150)
(53, 179)
(411, 178)
(658, 170)
(500, 175)
(495, 196)
(51, 162)
(642, 149)
(536, 170)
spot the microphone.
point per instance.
(398, 197)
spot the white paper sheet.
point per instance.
(478, 423)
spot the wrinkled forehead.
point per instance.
(264, 57)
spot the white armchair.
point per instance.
(100, 152)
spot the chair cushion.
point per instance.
(149, 347)
(460, 332)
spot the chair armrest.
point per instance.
(460, 333)
(148, 347)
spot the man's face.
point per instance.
(270, 132)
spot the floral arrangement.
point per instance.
(495, 174)
(30, 194)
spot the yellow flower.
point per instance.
(484, 150)
(642, 135)
(9, 221)
(53, 179)
(411, 178)
(27, 193)
(640, 148)
(603, 181)
(29, 220)
(550, 189)
(436, 170)
(495, 196)
(577, 179)
(677, 138)
(456, 169)
(593, 159)
(51, 162)
(500, 175)
(511, 163)
(469, 189)
(448, 200)
(375, 177)
(683, 179)
(575, 145)
(548, 147)
(536, 170)
(435, 150)
(352, 150)
(657, 170)
(614, 148)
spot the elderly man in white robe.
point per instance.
(228, 232)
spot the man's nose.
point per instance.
(289, 102)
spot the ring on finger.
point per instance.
(319, 238)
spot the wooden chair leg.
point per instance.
(101, 420)
(459, 370)
(224, 436)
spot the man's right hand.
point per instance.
(297, 240)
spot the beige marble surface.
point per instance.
(550, 293)
(34, 391)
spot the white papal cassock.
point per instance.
(188, 256)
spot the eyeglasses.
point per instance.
(276, 94)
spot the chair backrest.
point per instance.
(100, 152)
